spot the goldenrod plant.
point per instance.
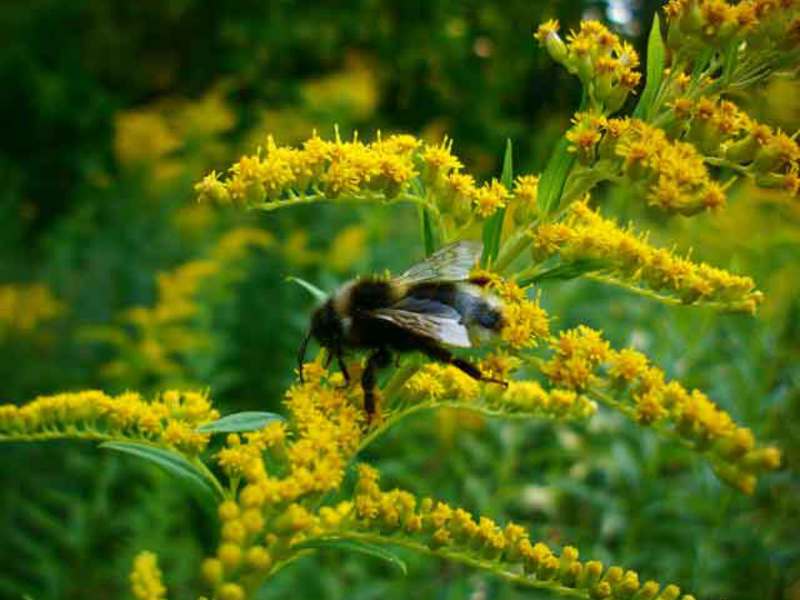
(291, 484)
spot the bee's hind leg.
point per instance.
(378, 359)
(445, 356)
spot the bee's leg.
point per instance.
(379, 359)
(343, 367)
(445, 356)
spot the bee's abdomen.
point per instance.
(469, 301)
(487, 316)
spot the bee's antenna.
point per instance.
(301, 356)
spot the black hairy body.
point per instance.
(413, 313)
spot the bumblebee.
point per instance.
(434, 304)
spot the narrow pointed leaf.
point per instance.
(172, 462)
(241, 421)
(354, 546)
(554, 177)
(655, 70)
(317, 293)
(493, 227)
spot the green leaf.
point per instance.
(554, 177)
(241, 421)
(566, 271)
(428, 230)
(172, 462)
(655, 70)
(354, 546)
(317, 293)
(493, 227)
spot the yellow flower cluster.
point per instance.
(626, 257)
(583, 361)
(577, 354)
(507, 550)
(170, 419)
(694, 417)
(671, 173)
(444, 383)
(605, 65)
(694, 24)
(268, 515)
(720, 129)
(382, 168)
(145, 578)
(23, 306)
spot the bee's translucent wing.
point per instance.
(451, 263)
(443, 326)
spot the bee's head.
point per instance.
(326, 328)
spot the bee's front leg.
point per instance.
(343, 367)
(378, 359)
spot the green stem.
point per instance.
(366, 198)
(498, 569)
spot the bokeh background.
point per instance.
(112, 277)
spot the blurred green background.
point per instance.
(112, 277)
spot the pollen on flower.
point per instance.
(489, 198)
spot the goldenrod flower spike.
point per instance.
(169, 420)
(436, 528)
(626, 381)
(358, 172)
(624, 257)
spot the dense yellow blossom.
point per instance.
(356, 171)
(145, 578)
(170, 419)
(23, 306)
(624, 256)
(722, 130)
(671, 174)
(268, 515)
(447, 384)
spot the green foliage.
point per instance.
(98, 230)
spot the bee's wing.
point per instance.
(451, 263)
(441, 326)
